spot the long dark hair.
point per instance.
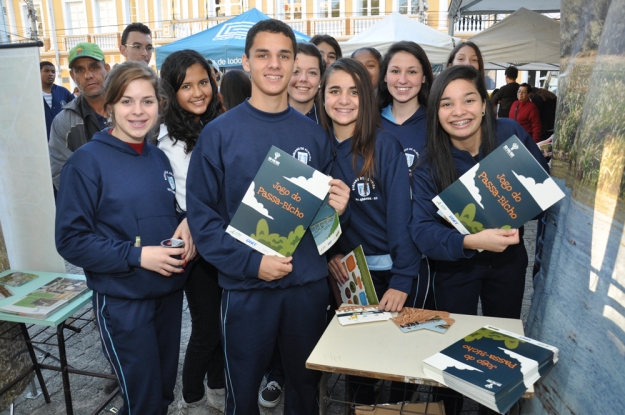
(236, 86)
(454, 52)
(317, 39)
(384, 96)
(368, 121)
(438, 143)
(181, 124)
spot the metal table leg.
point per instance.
(64, 369)
(323, 393)
(36, 366)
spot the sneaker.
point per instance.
(270, 395)
(195, 408)
(216, 398)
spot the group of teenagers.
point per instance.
(390, 142)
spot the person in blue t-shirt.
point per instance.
(372, 163)
(116, 203)
(405, 80)
(266, 300)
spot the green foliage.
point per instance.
(335, 224)
(283, 244)
(467, 218)
(510, 342)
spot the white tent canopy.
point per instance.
(396, 27)
(464, 7)
(522, 37)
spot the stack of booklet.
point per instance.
(492, 366)
(47, 299)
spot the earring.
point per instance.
(483, 113)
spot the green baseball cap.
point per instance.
(85, 50)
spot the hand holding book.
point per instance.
(274, 268)
(495, 240)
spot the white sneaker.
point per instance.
(216, 398)
(195, 408)
(270, 395)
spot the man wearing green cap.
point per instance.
(84, 116)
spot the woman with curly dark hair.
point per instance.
(193, 102)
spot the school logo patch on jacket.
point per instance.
(169, 177)
(364, 188)
(302, 154)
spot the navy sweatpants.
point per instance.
(252, 322)
(142, 341)
(498, 284)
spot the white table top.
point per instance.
(381, 350)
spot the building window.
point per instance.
(132, 11)
(229, 7)
(330, 8)
(76, 18)
(368, 8)
(411, 7)
(106, 19)
(26, 20)
(294, 9)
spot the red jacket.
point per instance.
(526, 114)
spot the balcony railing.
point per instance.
(339, 27)
(475, 23)
(103, 40)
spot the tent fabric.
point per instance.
(223, 43)
(470, 7)
(396, 27)
(522, 37)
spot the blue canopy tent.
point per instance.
(224, 43)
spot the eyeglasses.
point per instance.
(141, 48)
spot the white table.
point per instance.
(382, 351)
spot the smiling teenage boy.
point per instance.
(266, 299)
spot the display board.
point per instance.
(26, 198)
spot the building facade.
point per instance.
(61, 24)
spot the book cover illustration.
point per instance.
(326, 227)
(352, 314)
(491, 365)
(279, 204)
(48, 298)
(5, 292)
(15, 279)
(358, 289)
(413, 319)
(504, 190)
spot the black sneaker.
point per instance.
(270, 395)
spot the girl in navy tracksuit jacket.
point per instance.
(304, 85)
(194, 102)
(371, 162)
(405, 79)
(462, 130)
(116, 203)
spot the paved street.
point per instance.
(84, 352)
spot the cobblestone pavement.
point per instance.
(84, 352)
